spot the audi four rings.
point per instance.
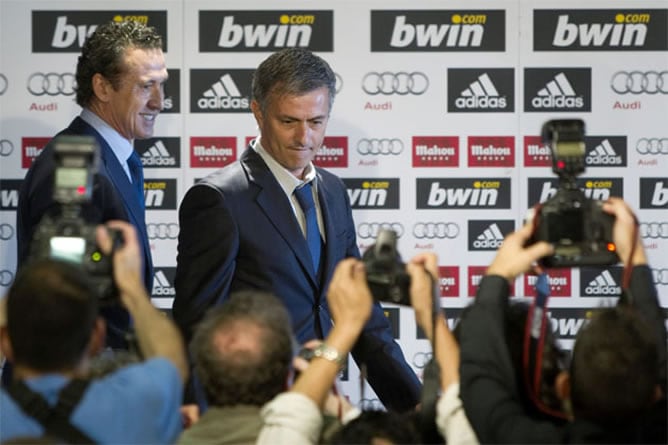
(401, 83)
(652, 146)
(3, 84)
(431, 230)
(51, 84)
(162, 230)
(639, 82)
(6, 147)
(370, 230)
(660, 276)
(6, 231)
(653, 230)
(420, 359)
(6, 277)
(380, 146)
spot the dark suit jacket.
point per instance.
(113, 198)
(238, 231)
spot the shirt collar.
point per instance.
(287, 180)
(121, 147)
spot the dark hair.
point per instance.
(377, 424)
(104, 52)
(615, 367)
(51, 312)
(292, 71)
(243, 376)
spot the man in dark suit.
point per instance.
(120, 77)
(244, 226)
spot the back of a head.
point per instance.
(375, 427)
(104, 50)
(614, 370)
(51, 312)
(294, 72)
(242, 350)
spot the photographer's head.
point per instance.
(52, 318)
(615, 369)
(120, 76)
(242, 350)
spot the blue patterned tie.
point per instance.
(305, 197)
(137, 173)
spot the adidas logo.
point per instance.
(603, 154)
(603, 284)
(481, 94)
(157, 154)
(558, 93)
(490, 238)
(162, 286)
(223, 94)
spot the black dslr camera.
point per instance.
(385, 272)
(579, 229)
(65, 235)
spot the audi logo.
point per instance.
(6, 147)
(401, 83)
(654, 230)
(431, 230)
(660, 276)
(6, 277)
(371, 405)
(380, 146)
(51, 84)
(370, 230)
(652, 146)
(420, 359)
(6, 232)
(3, 84)
(162, 230)
(638, 82)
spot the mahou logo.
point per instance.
(30, 149)
(212, 152)
(448, 282)
(559, 279)
(438, 30)
(333, 152)
(600, 30)
(491, 151)
(536, 154)
(262, 31)
(435, 151)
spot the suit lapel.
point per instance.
(324, 197)
(275, 205)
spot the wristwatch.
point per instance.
(329, 353)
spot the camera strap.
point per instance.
(534, 343)
(56, 419)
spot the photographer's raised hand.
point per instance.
(514, 257)
(423, 270)
(157, 335)
(624, 232)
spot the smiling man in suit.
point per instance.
(275, 222)
(120, 77)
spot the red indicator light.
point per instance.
(81, 190)
(561, 165)
(612, 247)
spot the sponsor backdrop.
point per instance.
(435, 130)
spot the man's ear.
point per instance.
(102, 88)
(6, 344)
(97, 337)
(257, 112)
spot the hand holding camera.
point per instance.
(577, 226)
